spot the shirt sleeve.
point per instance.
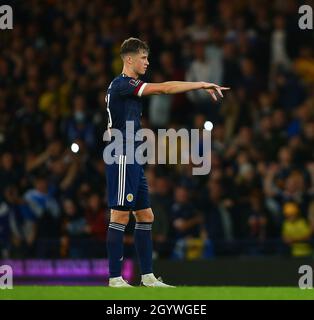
(129, 86)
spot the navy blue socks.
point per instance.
(115, 248)
(144, 246)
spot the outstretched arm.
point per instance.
(173, 87)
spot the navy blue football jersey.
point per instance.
(124, 103)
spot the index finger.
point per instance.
(224, 88)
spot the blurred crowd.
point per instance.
(55, 67)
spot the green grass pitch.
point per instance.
(143, 293)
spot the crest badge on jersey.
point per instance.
(134, 82)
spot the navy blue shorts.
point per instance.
(127, 187)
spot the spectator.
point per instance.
(279, 54)
(45, 214)
(21, 222)
(96, 218)
(161, 202)
(202, 69)
(185, 221)
(218, 219)
(186, 224)
(296, 231)
(159, 106)
(9, 171)
(79, 125)
(75, 228)
(257, 220)
(200, 30)
(5, 230)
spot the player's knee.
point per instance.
(148, 218)
(144, 216)
(120, 217)
(121, 220)
(151, 217)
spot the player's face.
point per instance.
(140, 62)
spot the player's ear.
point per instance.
(129, 59)
(126, 58)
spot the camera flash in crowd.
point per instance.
(208, 125)
(75, 148)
